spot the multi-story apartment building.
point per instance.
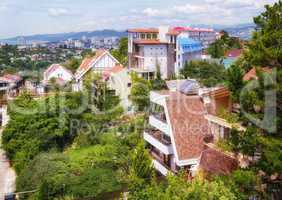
(183, 127)
(168, 48)
(204, 35)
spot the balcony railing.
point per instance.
(156, 140)
(160, 165)
(159, 123)
(158, 135)
(160, 116)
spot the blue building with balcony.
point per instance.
(187, 50)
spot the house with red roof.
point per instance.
(231, 57)
(183, 127)
(252, 74)
(58, 72)
(10, 84)
(113, 73)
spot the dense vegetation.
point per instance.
(259, 111)
(71, 144)
(209, 74)
(121, 52)
(13, 59)
(97, 153)
(220, 46)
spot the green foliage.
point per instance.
(229, 117)
(158, 83)
(265, 46)
(216, 49)
(209, 74)
(219, 47)
(13, 60)
(245, 142)
(140, 92)
(121, 53)
(141, 164)
(242, 183)
(235, 81)
(271, 161)
(46, 128)
(88, 172)
(87, 52)
(177, 187)
(73, 64)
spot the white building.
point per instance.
(183, 127)
(112, 71)
(57, 71)
(169, 48)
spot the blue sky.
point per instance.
(26, 17)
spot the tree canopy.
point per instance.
(209, 74)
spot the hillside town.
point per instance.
(167, 112)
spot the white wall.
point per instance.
(105, 62)
(163, 30)
(121, 83)
(153, 55)
(60, 73)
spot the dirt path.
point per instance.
(7, 174)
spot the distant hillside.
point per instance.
(243, 31)
(64, 36)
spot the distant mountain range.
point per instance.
(243, 31)
(64, 36)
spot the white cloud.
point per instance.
(151, 12)
(3, 8)
(57, 12)
(190, 8)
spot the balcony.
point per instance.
(159, 164)
(158, 121)
(156, 139)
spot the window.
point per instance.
(142, 36)
(149, 36)
(129, 84)
(155, 36)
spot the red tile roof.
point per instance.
(173, 32)
(181, 29)
(116, 69)
(144, 30)
(53, 68)
(189, 126)
(216, 162)
(85, 65)
(152, 42)
(220, 92)
(234, 53)
(12, 77)
(252, 74)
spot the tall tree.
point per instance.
(141, 164)
(265, 46)
(209, 74)
(235, 81)
(121, 53)
(139, 93)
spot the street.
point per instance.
(7, 175)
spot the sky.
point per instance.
(28, 17)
